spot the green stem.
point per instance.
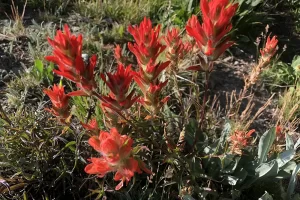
(205, 98)
(179, 96)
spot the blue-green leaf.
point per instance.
(267, 169)
(265, 144)
(292, 182)
(285, 157)
(297, 144)
(225, 133)
(266, 196)
(289, 143)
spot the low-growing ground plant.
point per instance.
(282, 75)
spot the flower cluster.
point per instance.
(118, 99)
(92, 126)
(266, 54)
(119, 56)
(270, 49)
(211, 36)
(116, 151)
(176, 48)
(239, 140)
(67, 54)
(60, 102)
(147, 49)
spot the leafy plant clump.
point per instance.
(149, 129)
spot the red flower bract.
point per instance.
(59, 101)
(118, 84)
(67, 55)
(211, 35)
(118, 99)
(147, 47)
(91, 126)
(116, 157)
(176, 49)
(270, 49)
(239, 140)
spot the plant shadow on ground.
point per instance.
(13, 58)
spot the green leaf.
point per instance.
(190, 6)
(232, 180)
(297, 144)
(71, 145)
(241, 174)
(296, 64)
(49, 72)
(266, 196)
(191, 131)
(292, 182)
(188, 197)
(286, 170)
(195, 167)
(285, 157)
(243, 38)
(39, 66)
(289, 142)
(255, 2)
(267, 169)
(229, 163)
(296, 196)
(265, 144)
(225, 133)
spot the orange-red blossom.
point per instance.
(211, 36)
(270, 49)
(239, 140)
(147, 49)
(67, 52)
(147, 46)
(116, 151)
(119, 98)
(92, 126)
(176, 48)
(60, 101)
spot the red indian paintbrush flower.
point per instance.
(239, 140)
(151, 99)
(67, 55)
(147, 47)
(118, 99)
(92, 126)
(118, 55)
(118, 84)
(116, 151)
(280, 135)
(151, 72)
(176, 49)
(211, 35)
(151, 87)
(60, 101)
(270, 49)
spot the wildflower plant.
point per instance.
(142, 135)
